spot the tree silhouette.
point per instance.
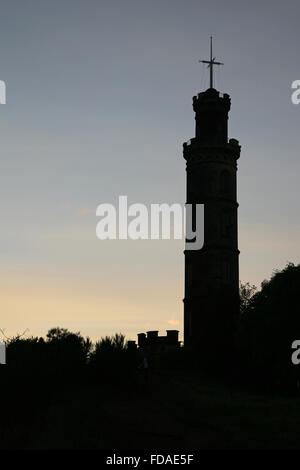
(246, 293)
(269, 324)
(112, 361)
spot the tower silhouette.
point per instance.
(211, 300)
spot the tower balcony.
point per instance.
(196, 150)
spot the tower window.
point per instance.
(225, 182)
(227, 223)
(226, 270)
(190, 324)
(189, 275)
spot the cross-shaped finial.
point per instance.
(211, 64)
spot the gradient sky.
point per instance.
(99, 102)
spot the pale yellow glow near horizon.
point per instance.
(128, 298)
(40, 304)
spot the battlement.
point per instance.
(211, 114)
(155, 343)
(211, 97)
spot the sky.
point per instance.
(99, 103)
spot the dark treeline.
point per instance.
(269, 323)
(65, 356)
(45, 378)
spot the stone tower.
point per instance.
(211, 300)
